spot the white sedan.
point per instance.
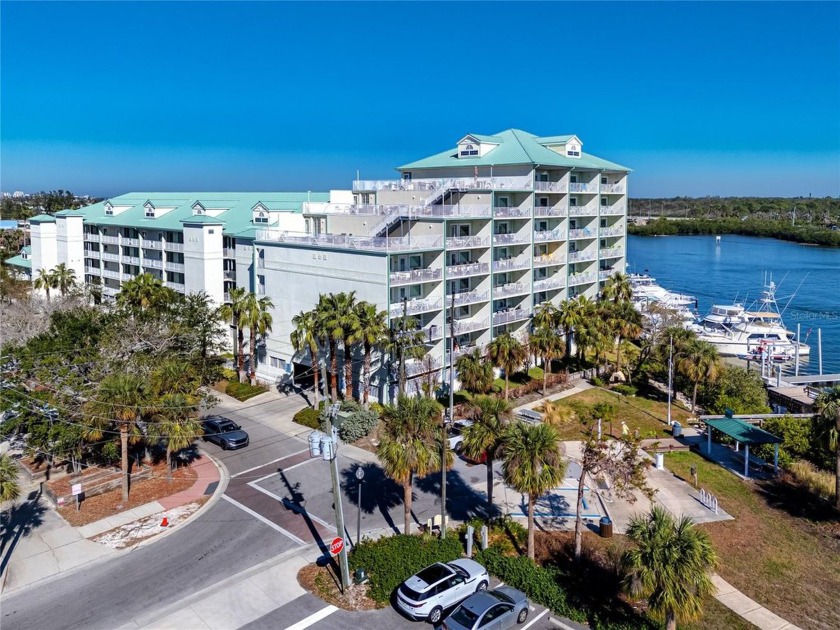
(440, 587)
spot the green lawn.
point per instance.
(646, 416)
(790, 564)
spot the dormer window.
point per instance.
(150, 211)
(109, 209)
(573, 150)
(198, 208)
(468, 150)
(260, 217)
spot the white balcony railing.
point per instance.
(466, 242)
(509, 264)
(94, 271)
(604, 274)
(584, 256)
(511, 239)
(229, 252)
(547, 260)
(173, 266)
(92, 238)
(584, 233)
(415, 306)
(616, 230)
(152, 263)
(458, 183)
(226, 297)
(548, 211)
(581, 278)
(175, 286)
(511, 315)
(512, 212)
(469, 297)
(125, 277)
(468, 269)
(587, 210)
(547, 284)
(583, 188)
(110, 240)
(463, 326)
(230, 274)
(612, 188)
(399, 278)
(413, 367)
(548, 235)
(108, 273)
(559, 187)
(131, 242)
(131, 260)
(110, 256)
(612, 210)
(109, 291)
(611, 252)
(365, 243)
(511, 288)
(174, 247)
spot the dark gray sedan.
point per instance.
(224, 432)
(499, 609)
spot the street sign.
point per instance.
(77, 489)
(336, 546)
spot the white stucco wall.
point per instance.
(203, 268)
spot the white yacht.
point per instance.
(646, 291)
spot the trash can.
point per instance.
(660, 461)
(606, 527)
(676, 430)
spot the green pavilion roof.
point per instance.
(743, 432)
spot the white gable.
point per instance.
(571, 148)
(471, 147)
(113, 210)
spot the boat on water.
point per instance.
(647, 291)
(736, 331)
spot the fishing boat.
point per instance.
(647, 291)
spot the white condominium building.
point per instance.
(496, 225)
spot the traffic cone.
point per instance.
(164, 522)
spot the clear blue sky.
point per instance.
(698, 99)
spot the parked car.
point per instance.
(498, 609)
(440, 587)
(454, 434)
(224, 433)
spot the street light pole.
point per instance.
(670, 375)
(360, 474)
(443, 441)
(339, 511)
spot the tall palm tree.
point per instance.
(483, 438)
(258, 319)
(174, 376)
(584, 334)
(699, 360)
(329, 323)
(670, 565)
(349, 323)
(121, 400)
(175, 422)
(144, 292)
(371, 331)
(305, 338)
(569, 317)
(475, 372)
(9, 486)
(233, 312)
(508, 353)
(618, 288)
(626, 323)
(545, 342)
(546, 315)
(410, 444)
(64, 278)
(532, 464)
(45, 281)
(828, 427)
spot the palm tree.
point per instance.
(233, 312)
(585, 331)
(569, 317)
(626, 323)
(9, 486)
(509, 354)
(532, 464)
(329, 323)
(176, 424)
(349, 323)
(371, 331)
(699, 361)
(548, 344)
(64, 278)
(670, 566)
(305, 337)
(410, 444)
(174, 376)
(827, 406)
(546, 316)
(617, 288)
(45, 281)
(121, 399)
(144, 292)
(482, 438)
(475, 372)
(258, 319)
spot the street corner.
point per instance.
(148, 528)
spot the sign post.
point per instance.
(336, 546)
(77, 492)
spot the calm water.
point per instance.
(734, 270)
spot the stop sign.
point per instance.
(336, 546)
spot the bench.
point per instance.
(529, 415)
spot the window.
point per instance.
(468, 150)
(573, 178)
(572, 224)
(604, 181)
(460, 230)
(307, 228)
(211, 231)
(604, 202)
(603, 223)
(542, 202)
(150, 212)
(277, 363)
(261, 217)
(415, 262)
(503, 202)
(407, 176)
(502, 227)
(261, 285)
(462, 312)
(542, 226)
(573, 202)
(573, 150)
(603, 243)
(459, 258)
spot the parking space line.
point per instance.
(537, 618)
(254, 485)
(243, 472)
(313, 618)
(260, 517)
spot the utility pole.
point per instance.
(444, 444)
(339, 511)
(402, 345)
(670, 375)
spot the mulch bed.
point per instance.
(324, 583)
(144, 491)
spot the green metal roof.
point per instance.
(19, 261)
(515, 147)
(69, 213)
(743, 432)
(555, 139)
(236, 218)
(42, 218)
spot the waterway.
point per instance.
(734, 270)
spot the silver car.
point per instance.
(498, 609)
(439, 587)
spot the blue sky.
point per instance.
(697, 98)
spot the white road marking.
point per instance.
(268, 463)
(313, 618)
(260, 517)
(277, 472)
(254, 485)
(537, 618)
(557, 622)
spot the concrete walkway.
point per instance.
(750, 610)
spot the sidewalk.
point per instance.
(750, 610)
(45, 546)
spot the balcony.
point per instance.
(547, 211)
(468, 269)
(109, 291)
(108, 273)
(584, 256)
(174, 247)
(175, 286)
(588, 210)
(230, 274)
(151, 244)
(581, 278)
(469, 297)
(615, 189)
(616, 230)
(558, 187)
(463, 326)
(583, 188)
(512, 315)
(549, 235)
(547, 284)
(131, 242)
(173, 266)
(466, 242)
(110, 240)
(511, 288)
(612, 210)
(415, 306)
(125, 277)
(611, 252)
(604, 274)
(510, 264)
(226, 298)
(94, 271)
(506, 212)
(131, 260)
(152, 263)
(109, 256)
(511, 239)
(459, 183)
(460, 351)
(399, 278)
(413, 367)
(363, 243)
(91, 238)
(547, 260)
(433, 332)
(229, 252)
(578, 234)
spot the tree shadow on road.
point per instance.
(463, 502)
(379, 492)
(18, 521)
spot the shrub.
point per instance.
(375, 406)
(506, 535)
(818, 482)
(390, 561)
(597, 382)
(796, 442)
(627, 390)
(360, 422)
(244, 391)
(229, 374)
(308, 417)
